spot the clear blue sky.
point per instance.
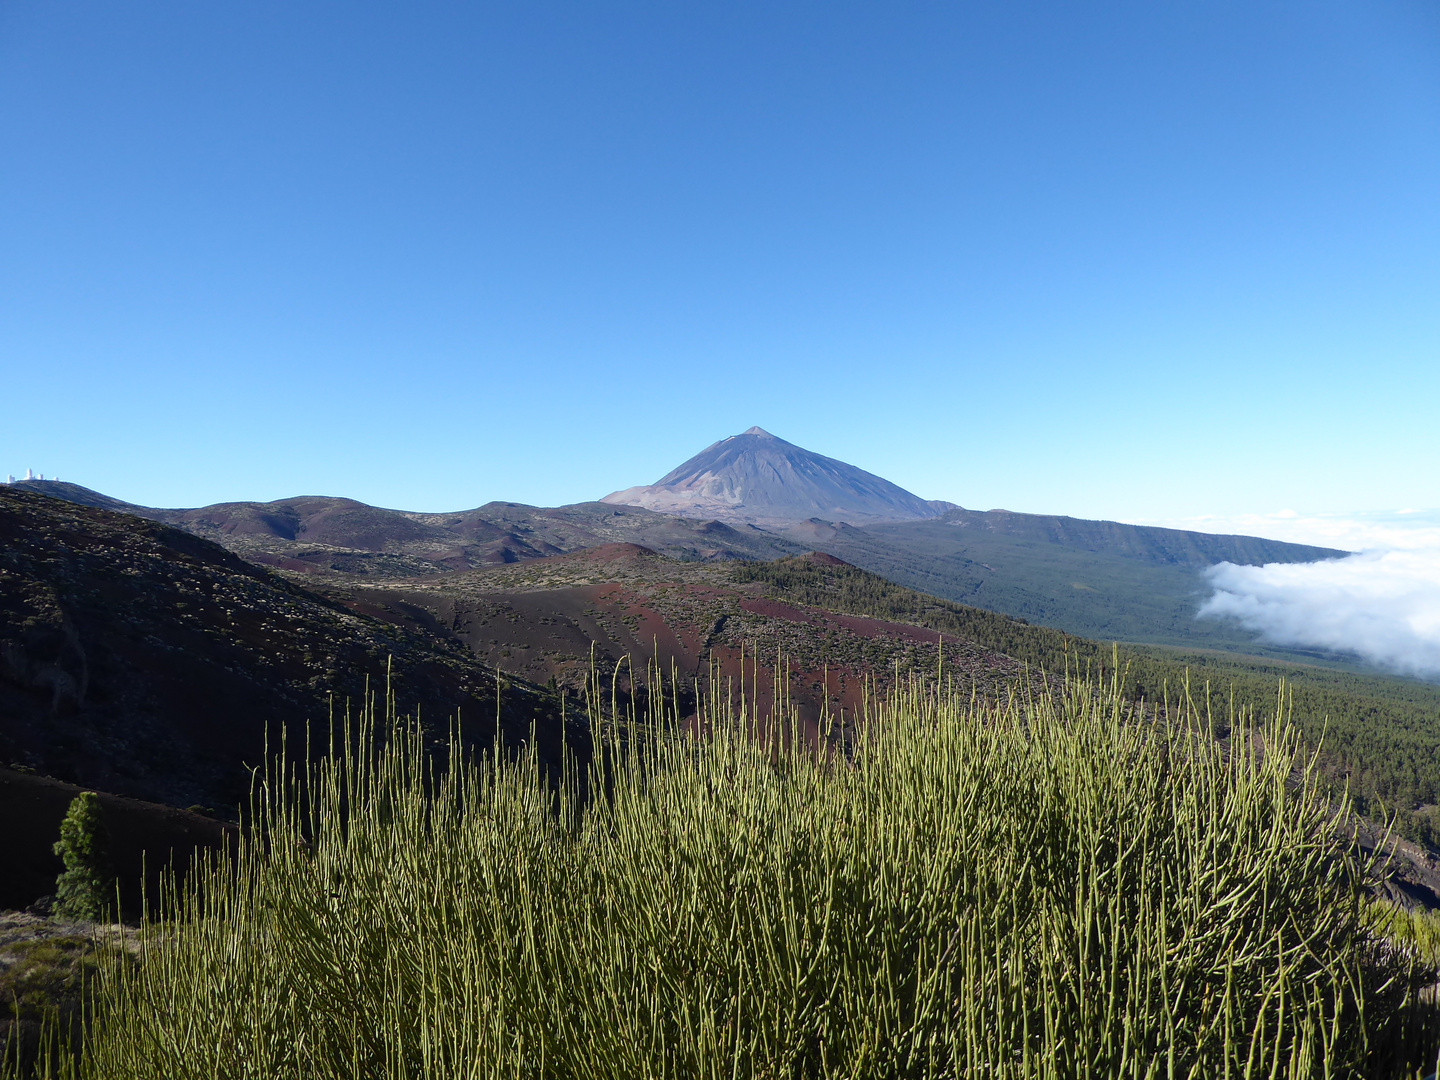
(1119, 260)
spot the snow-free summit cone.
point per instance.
(757, 477)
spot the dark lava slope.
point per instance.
(141, 660)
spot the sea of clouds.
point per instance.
(1381, 603)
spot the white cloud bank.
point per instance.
(1383, 605)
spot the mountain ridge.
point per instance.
(754, 497)
(317, 534)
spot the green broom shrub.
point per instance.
(1052, 886)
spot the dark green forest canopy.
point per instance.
(1378, 734)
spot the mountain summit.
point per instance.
(756, 477)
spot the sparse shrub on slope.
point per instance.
(42, 989)
(1046, 889)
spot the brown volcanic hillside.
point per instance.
(142, 660)
(540, 619)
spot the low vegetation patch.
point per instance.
(1412, 929)
(46, 970)
(1049, 887)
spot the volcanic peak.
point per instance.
(758, 477)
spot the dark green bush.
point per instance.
(85, 890)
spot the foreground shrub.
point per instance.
(1047, 888)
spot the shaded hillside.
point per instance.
(1098, 579)
(756, 477)
(144, 839)
(138, 659)
(322, 534)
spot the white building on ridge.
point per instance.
(30, 474)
